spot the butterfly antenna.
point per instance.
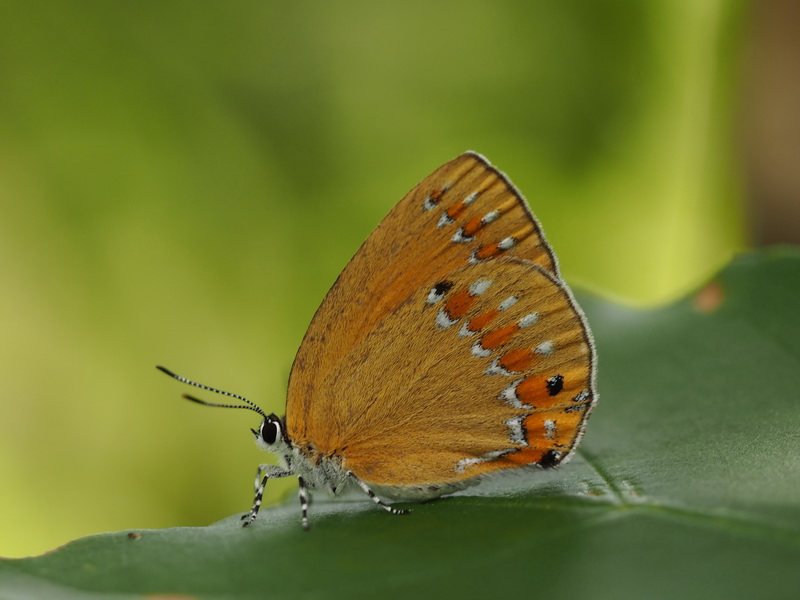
(248, 405)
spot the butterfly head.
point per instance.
(271, 435)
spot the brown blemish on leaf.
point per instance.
(710, 297)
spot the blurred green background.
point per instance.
(181, 182)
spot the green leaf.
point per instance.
(686, 486)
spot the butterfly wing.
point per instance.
(465, 211)
(487, 368)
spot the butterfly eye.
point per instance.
(270, 430)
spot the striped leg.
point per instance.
(269, 471)
(303, 502)
(375, 499)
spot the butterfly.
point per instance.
(448, 349)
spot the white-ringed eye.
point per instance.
(270, 430)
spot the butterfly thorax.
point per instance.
(319, 471)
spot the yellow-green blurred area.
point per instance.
(181, 182)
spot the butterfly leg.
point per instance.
(268, 471)
(375, 499)
(303, 502)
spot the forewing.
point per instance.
(465, 212)
(486, 368)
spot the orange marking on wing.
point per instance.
(477, 223)
(517, 361)
(482, 320)
(458, 304)
(456, 210)
(533, 391)
(559, 434)
(526, 456)
(436, 196)
(488, 251)
(473, 226)
(537, 432)
(492, 250)
(498, 337)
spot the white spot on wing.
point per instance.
(480, 351)
(480, 286)
(549, 429)
(467, 462)
(430, 203)
(471, 198)
(581, 396)
(443, 320)
(459, 237)
(509, 394)
(444, 220)
(490, 217)
(508, 303)
(433, 297)
(496, 369)
(545, 348)
(528, 320)
(507, 243)
(465, 331)
(517, 431)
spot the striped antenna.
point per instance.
(248, 405)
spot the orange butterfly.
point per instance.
(449, 348)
